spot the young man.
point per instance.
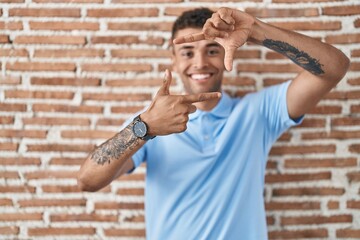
(206, 166)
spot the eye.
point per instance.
(213, 52)
(187, 54)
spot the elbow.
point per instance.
(84, 185)
(342, 68)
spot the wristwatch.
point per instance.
(140, 129)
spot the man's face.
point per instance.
(200, 65)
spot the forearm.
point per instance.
(316, 57)
(108, 159)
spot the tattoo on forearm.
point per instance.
(114, 147)
(299, 57)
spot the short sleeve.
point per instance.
(275, 111)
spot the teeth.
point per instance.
(199, 76)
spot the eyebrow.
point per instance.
(207, 45)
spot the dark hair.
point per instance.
(195, 18)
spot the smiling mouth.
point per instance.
(200, 77)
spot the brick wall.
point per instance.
(73, 70)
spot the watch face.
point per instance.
(140, 129)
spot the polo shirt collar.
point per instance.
(221, 110)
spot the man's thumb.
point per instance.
(165, 88)
(229, 57)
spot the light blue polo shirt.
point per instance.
(208, 182)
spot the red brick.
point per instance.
(130, 191)
(13, 161)
(331, 135)
(60, 189)
(299, 234)
(353, 176)
(357, 23)
(50, 174)
(117, 97)
(140, 26)
(65, 40)
(176, 11)
(354, 81)
(17, 189)
(123, 12)
(135, 219)
(343, 95)
(118, 205)
(355, 52)
(39, 94)
(40, 66)
(11, 25)
(326, 109)
(12, 1)
(273, 206)
(9, 175)
(59, 148)
(11, 217)
(353, 204)
(239, 81)
(348, 233)
(13, 133)
(333, 205)
(110, 122)
(12, 52)
(87, 134)
(313, 191)
(345, 121)
(64, 53)
(146, 1)
(341, 10)
(93, 217)
(66, 161)
(63, 81)
(124, 232)
(345, 218)
(282, 12)
(132, 177)
(4, 38)
(64, 26)
(297, 177)
(312, 123)
(7, 120)
(277, 150)
(297, 1)
(38, 202)
(355, 148)
(355, 109)
(10, 80)
(45, 12)
(68, 1)
(132, 109)
(140, 53)
(56, 121)
(148, 82)
(61, 231)
(66, 108)
(116, 67)
(343, 38)
(9, 146)
(320, 163)
(309, 25)
(354, 66)
(11, 230)
(127, 40)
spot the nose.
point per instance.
(200, 61)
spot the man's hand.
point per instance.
(229, 27)
(168, 113)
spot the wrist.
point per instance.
(146, 119)
(257, 32)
